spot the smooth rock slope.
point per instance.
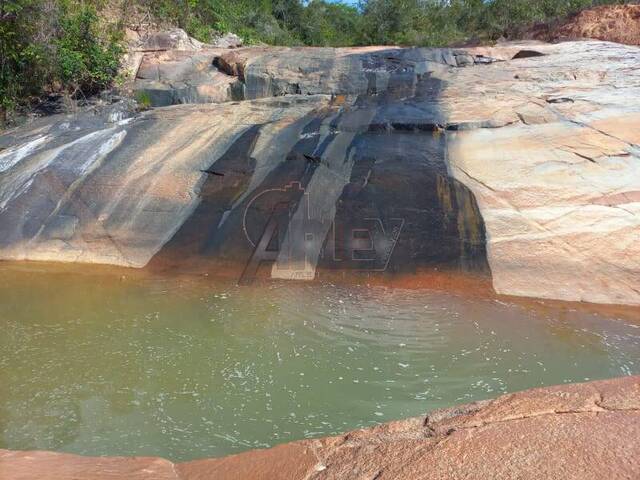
(581, 431)
(519, 164)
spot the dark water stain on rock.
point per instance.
(229, 220)
(399, 210)
(192, 241)
(280, 190)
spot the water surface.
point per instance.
(103, 365)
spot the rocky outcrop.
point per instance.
(170, 67)
(558, 184)
(177, 77)
(257, 72)
(581, 431)
(92, 191)
(228, 40)
(518, 164)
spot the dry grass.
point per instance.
(612, 23)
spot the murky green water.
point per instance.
(96, 365)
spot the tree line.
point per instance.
(397, 22)
(74, 46)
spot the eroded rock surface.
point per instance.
(85, 190)
(175, 76)
(558, 184)
(580, 431)
(518, 163)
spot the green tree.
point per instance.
(20, 72)
(53, 45)
(330, 24)
(87, 59)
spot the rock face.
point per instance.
(177, 77)
(558, 184)
(251, 73)
(519, 164)
(581, 431)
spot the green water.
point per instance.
(97, 365)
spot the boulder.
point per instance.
(228, 40)
(175, 39)
(179, 77)
(183, 74)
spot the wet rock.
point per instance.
(130, 184)
(62, 227)
(423, 160)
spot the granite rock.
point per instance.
(517, 164)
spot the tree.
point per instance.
(87, 61)
(19, 56)
(53, 45)
(330, 24)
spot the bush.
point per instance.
(330, 24)
(21, 72)
(443, 22)
(50, 46)
(87, 61)
(64, 45)
(143, 99)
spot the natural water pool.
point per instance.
(102, 365)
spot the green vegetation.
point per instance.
(54, 46)
(326, 23)
(446, 22)
(86, 62)
(143, 99)
(69, 46)
(275, 22)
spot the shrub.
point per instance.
(143, 99)
(87, 61)
(53, 46)
(22, 62)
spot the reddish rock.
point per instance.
(579, 431)
(16, 465)
(291, 461)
